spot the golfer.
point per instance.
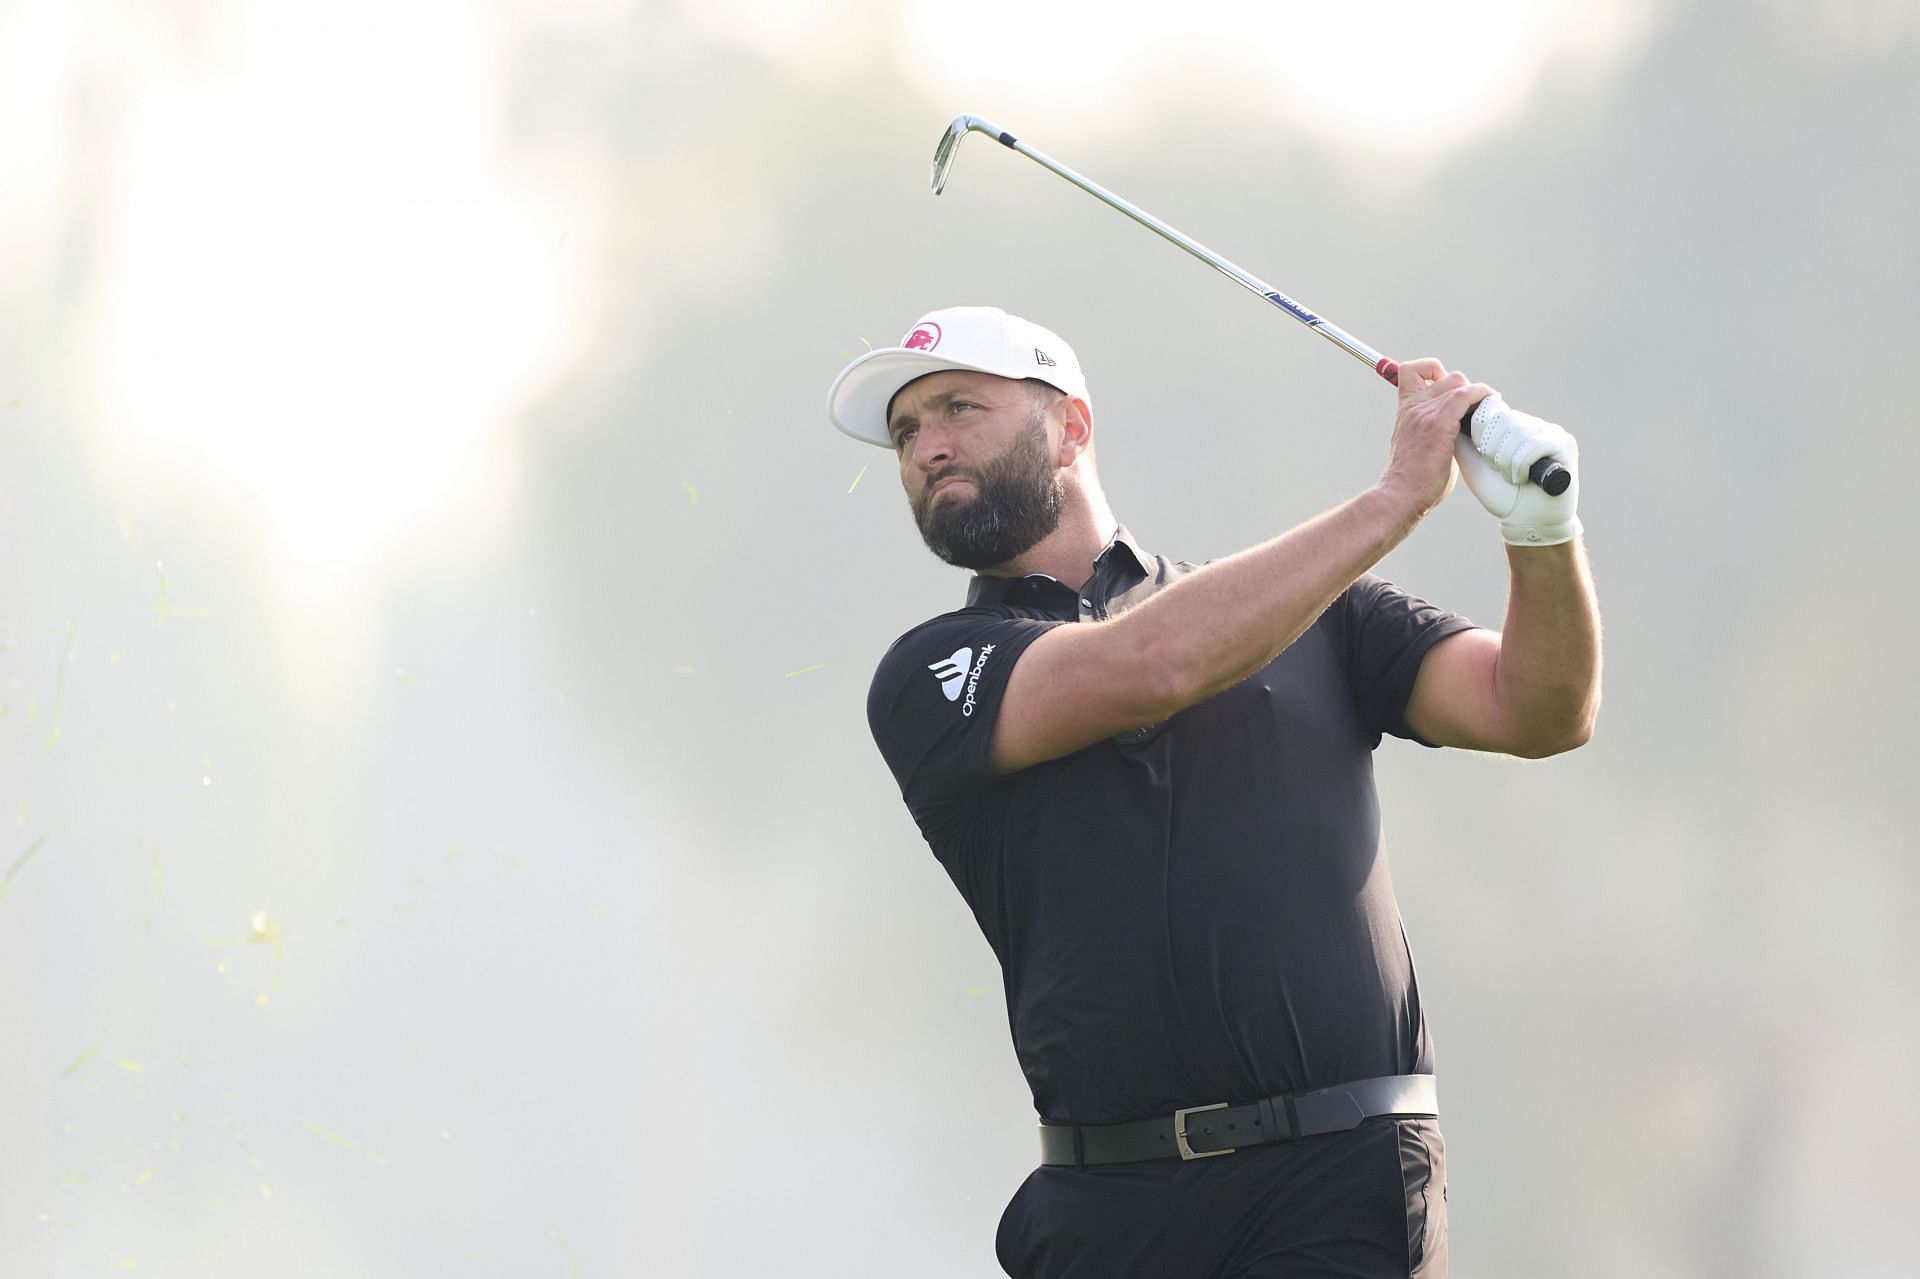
(1152, 782)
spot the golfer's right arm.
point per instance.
(1082, 683)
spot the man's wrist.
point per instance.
(1545, 563)
(1530, 536)
(1398, 504)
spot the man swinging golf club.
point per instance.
(1152, 783)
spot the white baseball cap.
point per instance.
(981, 339)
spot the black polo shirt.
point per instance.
(1194, 911)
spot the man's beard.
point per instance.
(1017, 504)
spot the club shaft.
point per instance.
(1253, 283)
(1548, 473)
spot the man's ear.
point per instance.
(1076, 433)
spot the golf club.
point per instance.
(1547, 473)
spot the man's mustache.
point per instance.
(939, 477)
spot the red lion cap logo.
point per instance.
(923, 338)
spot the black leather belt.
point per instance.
(1199, 1132)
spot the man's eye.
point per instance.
(904, 436)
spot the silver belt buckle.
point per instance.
(1180, 1132)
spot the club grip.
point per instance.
(1550, 475)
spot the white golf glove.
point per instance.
(1494, 462)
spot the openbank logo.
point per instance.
(954, 674)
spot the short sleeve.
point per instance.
(1388, 633)
(935, 697)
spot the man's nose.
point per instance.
(932, 447)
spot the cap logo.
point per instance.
(923, 338)
(1041, 357)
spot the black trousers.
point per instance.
(1364, 1204)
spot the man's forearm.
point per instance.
(1547, 677)
(1220, 624)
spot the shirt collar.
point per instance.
(984, 591)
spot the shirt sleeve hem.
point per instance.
(1406, 671)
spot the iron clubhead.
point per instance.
(950, 143)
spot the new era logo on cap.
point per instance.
(1041, 357)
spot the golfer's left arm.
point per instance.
(1532, 688)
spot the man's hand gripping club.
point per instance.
(1494, 459)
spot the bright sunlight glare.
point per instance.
(1397, 74)
(323, 292)
(322, 295)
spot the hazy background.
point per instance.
(441, 831)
